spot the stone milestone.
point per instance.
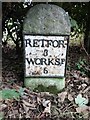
(46, 33)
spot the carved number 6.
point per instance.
(45, 70)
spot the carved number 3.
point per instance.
(45, 70)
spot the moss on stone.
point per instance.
(52, 85)
(50, 89)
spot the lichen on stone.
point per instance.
(47, 19)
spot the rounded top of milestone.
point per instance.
(46, 19)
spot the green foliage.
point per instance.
(12, 93)
(74, 24)
(81, 101)
(81, 65)
(21, 91)
(14, 14)
(9, 94)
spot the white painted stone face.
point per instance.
(45, 56)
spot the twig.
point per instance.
(85, 50)
(87, 89)
(69, 105)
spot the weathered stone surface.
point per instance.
(45, 84)
(47, 19)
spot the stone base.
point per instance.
(52, 85)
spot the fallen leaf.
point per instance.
(45, 103)
(81, 101)
(26, 108)
(84, 85)
(87, 89)
(3, 106)
(70, 98)
(75, 75)
(62, 96)
(28, 104)
(47, 109)
(84, 110)
(38, 100)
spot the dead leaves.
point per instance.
(43, 105)
(39, 107)
(47, 105)
(62, 96)
(30, 105)
(85, 110)
(70, 98)
(3, 106)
